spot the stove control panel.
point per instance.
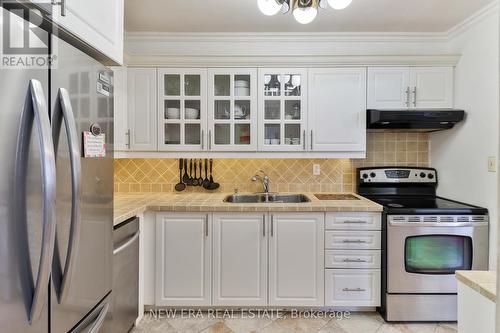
(397, 175)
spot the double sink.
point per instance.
(267, 198)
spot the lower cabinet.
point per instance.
(353, 259)
(183, 259)
(296, 259)
(240, 259)
(266, 259)
(352, 287)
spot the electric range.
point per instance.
(425, 239)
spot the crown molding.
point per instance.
(472, 20)
(292, 61)
(165, 37)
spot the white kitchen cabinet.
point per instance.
(388, 87)
(240, 259)
(353, 221)
(432, 87)
(141, 109)
(232, 105)
(183, 259)
(182, 109)
(96, 22)
(296, 259)
(410, 87)
(282, 109)
(337, 109)
(120, 132)
(352, 287)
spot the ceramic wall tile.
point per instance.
(287, 175)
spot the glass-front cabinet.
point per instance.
(182, 109)
(232, 109)
(283, 109)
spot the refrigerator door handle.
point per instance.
(36, 111)
(63, 111)
(96, 326)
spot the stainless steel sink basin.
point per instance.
(266, 198)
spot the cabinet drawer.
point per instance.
(353, 221)
(352, 258)
(345, 240)
(348, 287)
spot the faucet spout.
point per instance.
(264, 179)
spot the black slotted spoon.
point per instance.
(180, 186)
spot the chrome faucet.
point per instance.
(264, 179)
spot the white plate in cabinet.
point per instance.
(353, 220)
(348, 287)
(345, 240)
(352, 258)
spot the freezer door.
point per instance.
(24, 209)
(82, 270)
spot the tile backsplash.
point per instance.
(287, 175)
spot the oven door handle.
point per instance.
(438, 224)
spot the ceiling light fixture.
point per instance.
(304, 11)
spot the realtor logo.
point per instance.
(24, 44)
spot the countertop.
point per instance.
(127, 205)
(484, 282)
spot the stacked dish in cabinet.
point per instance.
(352, 259)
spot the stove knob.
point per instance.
(430, 176)
(372, 175)
(422, 175)
(365, 176)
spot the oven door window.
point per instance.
(438, 254)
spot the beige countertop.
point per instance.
(127, 205)
(484, 282)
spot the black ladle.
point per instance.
(180, 186)
(212, 185)
(206, 182)
(185, 178)
(195, 179)
(190, 181)
(200, 179)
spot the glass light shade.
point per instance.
(269, 7)
(305, 14)
(339, 4)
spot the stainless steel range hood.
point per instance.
(421, 120)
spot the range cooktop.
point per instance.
(425, 205)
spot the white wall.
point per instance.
(460, 155)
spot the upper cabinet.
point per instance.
(182, 109)
(141, 109)
(96, 22)
(232, 109)
(282, 109)
(337, 109)
(410, 87)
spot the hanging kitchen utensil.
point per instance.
(200, 179)
(190, 181)
(195, 178)
(206, 182)
(180, 186)
(212, 185)
(185, 178)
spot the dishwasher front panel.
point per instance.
(125, 304)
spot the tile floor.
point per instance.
(355, 323)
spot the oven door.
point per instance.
(422, 257)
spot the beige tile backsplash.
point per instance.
(287, 175)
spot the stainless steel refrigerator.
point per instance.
(55, 205)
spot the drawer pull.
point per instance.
(357, 289)
(357, 241)
(354, 222)
(354, 260)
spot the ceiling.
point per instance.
(244, 16)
